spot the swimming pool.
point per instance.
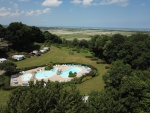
(65, 73)
(45, 74)
(26, 77)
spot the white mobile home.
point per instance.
(46, 48)
(2, 60)
(42, 50)
(18, 57)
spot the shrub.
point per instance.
(1, 84)
(107, 66)
(88, 56)
(95, 59)
(72, 74)
(9, 87)
(47, 68)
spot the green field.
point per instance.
(62, 55)
(4, 96)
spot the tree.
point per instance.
(75, 42)
(2, 31)
(83, 43)
(116, 73)
(19, 35)
(52, 98)
(8, 66)
(37, 35)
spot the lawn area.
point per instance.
(62, 55)
(4, 96)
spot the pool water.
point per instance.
(65, 73)
(45, 74)
(26, 76)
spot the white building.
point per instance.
(18, 57)
(2, 60)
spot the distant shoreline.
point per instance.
(97, 28)
(92, 28)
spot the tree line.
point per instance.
(133, 50)
(22, 36)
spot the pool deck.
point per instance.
(59, 78)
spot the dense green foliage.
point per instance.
(126, 91)
(52, 98)
(134, 49)
(8, 66)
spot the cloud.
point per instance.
(4, 12)
(143, 4)
(119, 2)
(53, 3)
(46, 10)
(23, 0)
(76, 1)
(38, 12)
(15, 14)
(87, 2)
(15, 6)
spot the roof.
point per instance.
(3, 59)
(5, 45)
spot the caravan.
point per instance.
(2, 60)
(18, 57)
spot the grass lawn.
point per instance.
(4, 96)
(62, 55)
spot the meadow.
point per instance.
(70, 34)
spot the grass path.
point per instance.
(4, 96)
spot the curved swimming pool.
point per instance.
(45, 74)
(65, 73)
(26, 77)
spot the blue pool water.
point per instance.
(65, 73)
(26, 76)
(45, 74)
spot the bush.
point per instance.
(95, 59)
(72, 74)
(9, 87)
(47, 68)
(88, 56)
(107, 66)
(1, 84)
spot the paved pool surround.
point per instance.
(55, 77)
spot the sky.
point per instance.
(78, 13)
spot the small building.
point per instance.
(2, 60)
(18, 57)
